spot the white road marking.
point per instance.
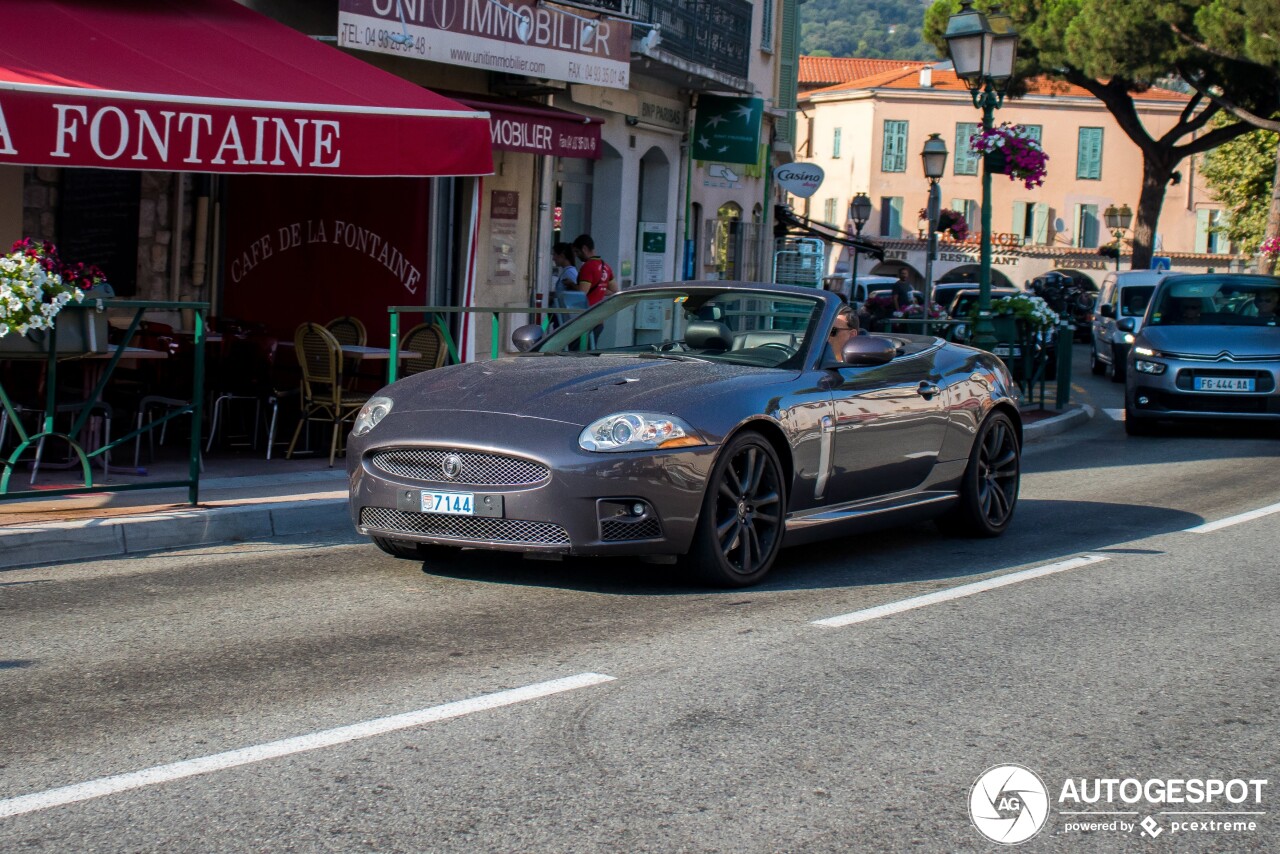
(1115, 414)
(298, 744)
(1235, 520)
(950, 593)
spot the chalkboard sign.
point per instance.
(98, 223)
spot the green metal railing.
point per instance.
(1028, 363)
(436, 315)
(82, 415)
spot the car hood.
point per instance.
(1213, 340)
(575, 389)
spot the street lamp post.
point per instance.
(983, 49)
(934, 158)
(1118, 219)
(859, 212)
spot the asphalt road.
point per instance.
(714, 721)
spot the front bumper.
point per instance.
(566, 500)
(1173, 394)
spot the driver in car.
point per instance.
(845, 327)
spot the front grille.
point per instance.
(474, 468)
(1189, 357)
(612, 530)
(1263, 383)
(1215, 402)
(473, 528)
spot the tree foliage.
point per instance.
(1116, 49)
(1240, 173)
(870, 29)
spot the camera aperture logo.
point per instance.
(1008, 804)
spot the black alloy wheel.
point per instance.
(1096, 367)
(741, 523)
(989, 489)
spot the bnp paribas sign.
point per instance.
(509, 36)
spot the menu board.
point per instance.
(98, 223)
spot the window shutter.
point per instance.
(829, 211)
(1019, 225)
(1040, 224)
(788, 71)
(966, 162)
(895, 221)
(1202, 231)
(886, 215)
(1035, 131)
(1089, 154)
(894, 156)
(1089, 226)
(835, 143)
(766, 27)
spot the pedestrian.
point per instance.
(595, 277)
(902, 291)
(564, 274)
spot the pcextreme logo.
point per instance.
(1010, 804)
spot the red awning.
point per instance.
(211, 86)
(537, 128)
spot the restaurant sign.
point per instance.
(521, 37)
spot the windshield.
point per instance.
(739, 327)
(1134, 299)
(1212, 301)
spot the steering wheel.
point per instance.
(786, 348)
(668, 347)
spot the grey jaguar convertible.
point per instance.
(714, 422)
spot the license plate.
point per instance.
(452, 503)
(1224, 384)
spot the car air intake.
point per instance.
(460, 468)
(477, 529)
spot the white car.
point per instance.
(1123, 294)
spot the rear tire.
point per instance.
(1095, 364)
(1116, 369)
(740, 524)
(989, 489)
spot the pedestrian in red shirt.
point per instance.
(595, 277)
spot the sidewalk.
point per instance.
(243, 498)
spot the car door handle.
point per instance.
(927, 390)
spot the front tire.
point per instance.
(1135, 425)
(403, 549)
(1095, 364)
(740, 525)
(989, 489)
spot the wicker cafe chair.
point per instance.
(323, 397)
(425, 338)
(349, 330)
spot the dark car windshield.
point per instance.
(1217, 301)
(717, 324)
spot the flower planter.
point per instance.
(82, 328)
(996, 162)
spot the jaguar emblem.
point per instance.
(451, 466)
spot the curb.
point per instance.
(1073, 417)
(27, 545)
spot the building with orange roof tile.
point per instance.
(867, 132)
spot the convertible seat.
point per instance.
(708, 335)
(759, 339)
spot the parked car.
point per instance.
(963, 301)
(1209, 347)
(705, 420)
(1123, 294)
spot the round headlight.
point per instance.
(637, 431)
(370, 414)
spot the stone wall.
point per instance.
(158, 228)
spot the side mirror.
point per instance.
(1107, 310)
(526, 337)
(1126, 324)
(862, 351)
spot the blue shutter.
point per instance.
(1019, 224)
(1089, 226)
(1040, 224)
(895, 215)
(1089, 154)
(835, 143)
(1035, 132)
(966, 161)
(894, 156)
(1202, 231)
